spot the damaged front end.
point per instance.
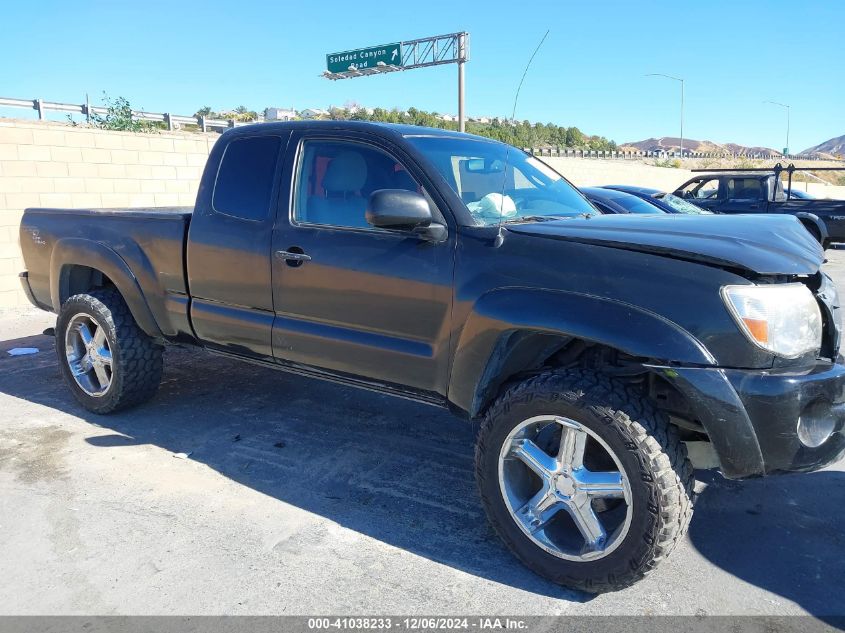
(789, 417)
(773, 398)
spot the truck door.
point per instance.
(352, 299)
(229, 243)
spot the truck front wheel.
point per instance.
(108, 362)
(584, 480)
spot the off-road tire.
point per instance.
(655, 461)
(137, 360)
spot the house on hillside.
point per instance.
(313, 113)
(279, 114)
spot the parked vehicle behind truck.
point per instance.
(762, 191)
(609, 201)
(602, 356)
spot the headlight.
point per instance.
(781, 318)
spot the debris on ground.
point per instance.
(22, 351)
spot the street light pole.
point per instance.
(783, 105)
(462, 55)
(461, 119)
(682, 103)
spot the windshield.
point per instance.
(682, 206)
(496, 183)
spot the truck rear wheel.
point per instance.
(584, 481)
(108, 362)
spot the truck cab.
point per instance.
(281, 257)
(733, 192)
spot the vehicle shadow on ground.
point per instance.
(784, 534)
(401, 472)
(391, 469)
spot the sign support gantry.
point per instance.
(387, 58)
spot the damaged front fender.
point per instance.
(510, 327)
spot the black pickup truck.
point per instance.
(762, 191)
(603, 356)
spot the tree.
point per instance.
(119, 117)
(574, 137)
(518, 133)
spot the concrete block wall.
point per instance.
(587, 172)
(46, 164)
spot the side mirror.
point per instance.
(404, 210)
(398, 209)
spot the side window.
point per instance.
(335, 180)
(706, 188)
(245, 178)
(745, 189)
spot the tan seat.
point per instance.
(342, 204)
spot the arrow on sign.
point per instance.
(395, 53)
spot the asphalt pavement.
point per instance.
(242, 490)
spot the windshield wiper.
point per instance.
(530, 218)
(546, 218)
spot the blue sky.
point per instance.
(179, 56)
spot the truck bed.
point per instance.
(830, 212)
(810, 206)
(149, 241)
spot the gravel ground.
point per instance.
(302, 497)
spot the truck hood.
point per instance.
(762, 244)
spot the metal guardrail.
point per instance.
(86, 109)
(205, 124)
(565, 152)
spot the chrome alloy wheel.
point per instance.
(88, 355)
(565, 488)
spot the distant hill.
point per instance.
(673, 143)
(833, 148)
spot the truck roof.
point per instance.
(397, 129)
(735, 174)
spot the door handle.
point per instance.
(293, 257)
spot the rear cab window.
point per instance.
(246, 176)
(745, 189)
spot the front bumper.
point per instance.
(752, 416)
